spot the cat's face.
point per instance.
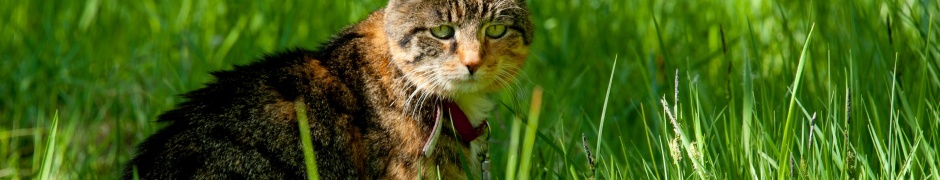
(454, 47)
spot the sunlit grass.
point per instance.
(81, 83)
(785, 149)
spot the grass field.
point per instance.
(840, 89)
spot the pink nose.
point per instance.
(472, 62)
(470, 57)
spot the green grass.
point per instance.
(786, 126)
(81, 83)
(310, 160)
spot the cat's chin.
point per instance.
(453, 89)
(467, 88)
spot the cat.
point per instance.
(402, 94)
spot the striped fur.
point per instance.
(370, 94)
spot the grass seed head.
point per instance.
(676, 152)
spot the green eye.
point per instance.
(496, 31)
(443, 32)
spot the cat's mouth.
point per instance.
(468, 84)
(451, 84)
(451, 88)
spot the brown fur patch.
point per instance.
(281, 110)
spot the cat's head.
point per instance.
(454, 47)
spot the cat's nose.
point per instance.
(471, 59)
(472, 67)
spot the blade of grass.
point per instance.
(882, 157)
(45, 172)
(649, 145)
(785, 148)
(230, 40)
(911, 156)
(513, 148)
(892, 121)
(309, 155)
(748, 102)
(600, 131)
(529, 143)
(685, 142)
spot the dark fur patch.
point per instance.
(403, 43)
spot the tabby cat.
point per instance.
(400, 95)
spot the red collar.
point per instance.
(460, 122)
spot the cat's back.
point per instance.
(208, 134)
(244, 123)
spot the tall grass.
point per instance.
(785, 149)
(81, 83)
